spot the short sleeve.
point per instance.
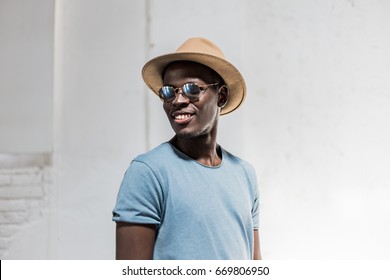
(140, 197)
(255, 195)
(255, 210)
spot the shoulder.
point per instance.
(235, 160)
(240, 165)
(148, 169)
(154, 162)
(158, 154)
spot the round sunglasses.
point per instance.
(191, 91)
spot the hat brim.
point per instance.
(153, 70)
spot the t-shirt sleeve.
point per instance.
(255, 210)
(256, 198)
(140, 196)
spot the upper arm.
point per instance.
(256, 242)
(134, 241)
(137, 212)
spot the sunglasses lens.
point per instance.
(191, 90)
(167, 93)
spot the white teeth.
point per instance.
(182, 117)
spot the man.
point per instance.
(189, 198)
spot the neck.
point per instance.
(203, 149)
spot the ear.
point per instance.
(222, 96)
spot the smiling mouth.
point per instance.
(182, 117)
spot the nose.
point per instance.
(180, 98)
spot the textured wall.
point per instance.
(24, 204)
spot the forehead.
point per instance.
(179, 70)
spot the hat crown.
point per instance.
(200, 45)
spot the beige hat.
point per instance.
(202, 51)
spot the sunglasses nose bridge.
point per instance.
(179, 91)
(179, 96)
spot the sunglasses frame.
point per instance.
(202, 89)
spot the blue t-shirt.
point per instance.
(200, 212)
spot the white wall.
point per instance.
(99, 121)
(26, 126)
(318, 126)
(26, 80)
(315, 122)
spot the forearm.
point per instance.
(256, 245)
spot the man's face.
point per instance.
(191, 119)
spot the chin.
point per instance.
(186, 135)
(190, 134)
